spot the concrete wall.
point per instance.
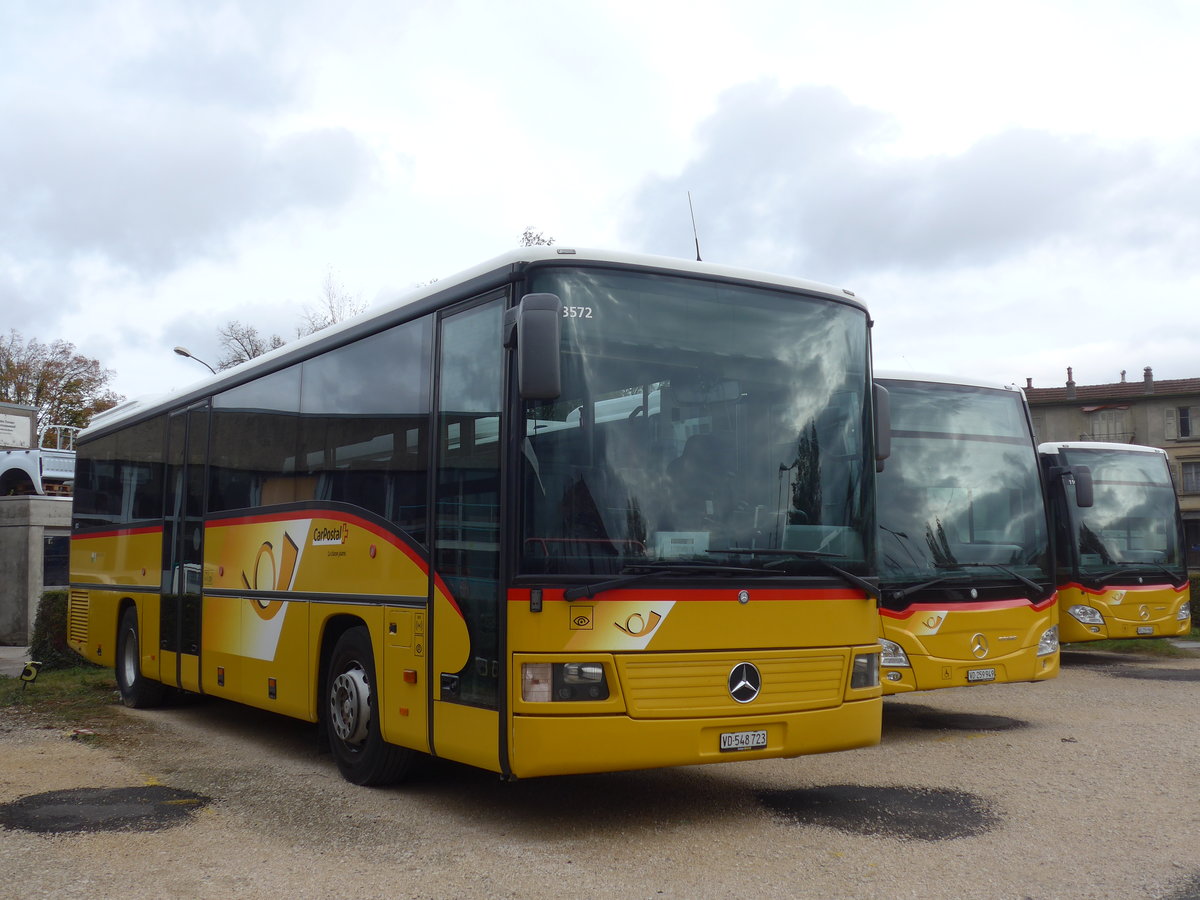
(25, 523)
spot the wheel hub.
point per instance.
(349, 706)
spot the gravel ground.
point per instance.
(1082, 787)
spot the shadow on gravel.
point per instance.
(1188, 890)
(917, 814)
(149, 808)
(910, 715)
(1154, 674)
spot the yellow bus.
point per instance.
(565, 512)
(1121, 561)
(967, 587)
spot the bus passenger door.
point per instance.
(467, 668)
(183, 548)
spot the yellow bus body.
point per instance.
(668, 703)
(955, 645)
(1142, 611)
(471, 523)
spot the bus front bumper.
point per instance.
(555, 745)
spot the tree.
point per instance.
(533, 238)
(336, 305)
(67, 387)
(240, 343)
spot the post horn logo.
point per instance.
(639, 626)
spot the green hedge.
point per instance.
(48, 645)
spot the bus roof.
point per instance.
(1055, 446)
(932, 378)
(482, 277)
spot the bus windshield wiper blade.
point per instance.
(917, 588)
(1140, 569)
(872, 590)
(1028, 582)
(649, 570)
(764, 551)
(817, 556)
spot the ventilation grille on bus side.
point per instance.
(77, 617)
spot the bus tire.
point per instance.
(351, 713)
(137, 691)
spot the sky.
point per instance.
(1011, 188)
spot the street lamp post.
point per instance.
(183, 351)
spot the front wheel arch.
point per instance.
(348, 710)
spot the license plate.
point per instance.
(742, 740)
(1145, 629)
(981, 674)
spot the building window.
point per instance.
(1191, 477)
(1178, 424)
(1109, 425)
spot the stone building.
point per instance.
(1162, 414)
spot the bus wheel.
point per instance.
(137, 691)
(352, 715)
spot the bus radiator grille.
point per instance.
(694, 685)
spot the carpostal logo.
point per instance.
(328, 535)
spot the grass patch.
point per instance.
(1143, 646)
(80, 697)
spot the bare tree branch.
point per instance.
(533, 238)
(336, 305)
(240, 343)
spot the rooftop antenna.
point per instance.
(695, 233)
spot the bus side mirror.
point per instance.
(1081, 477)
(534, 328)
(883, 425)
(1084, 493)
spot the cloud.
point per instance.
(148, 193)
(803, 181)
(156, 145)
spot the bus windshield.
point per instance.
(960, 500)
(1133, 522)
(700, 424)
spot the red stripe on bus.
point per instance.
(682, 594)
(118, 532)
(350, 518)
(316, 513)
(969, 606)
(1121, 587)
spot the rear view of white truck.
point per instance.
(33, 462)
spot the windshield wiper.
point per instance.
(649, 570)
(765, 551)
(1028, 582)
(917, 588)
(817, 556)
(1133, 569)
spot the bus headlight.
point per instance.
(865, 672)
(1049, 641)
(893, 656)
(1185, 610)
(1086, 614)
(559, 682)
